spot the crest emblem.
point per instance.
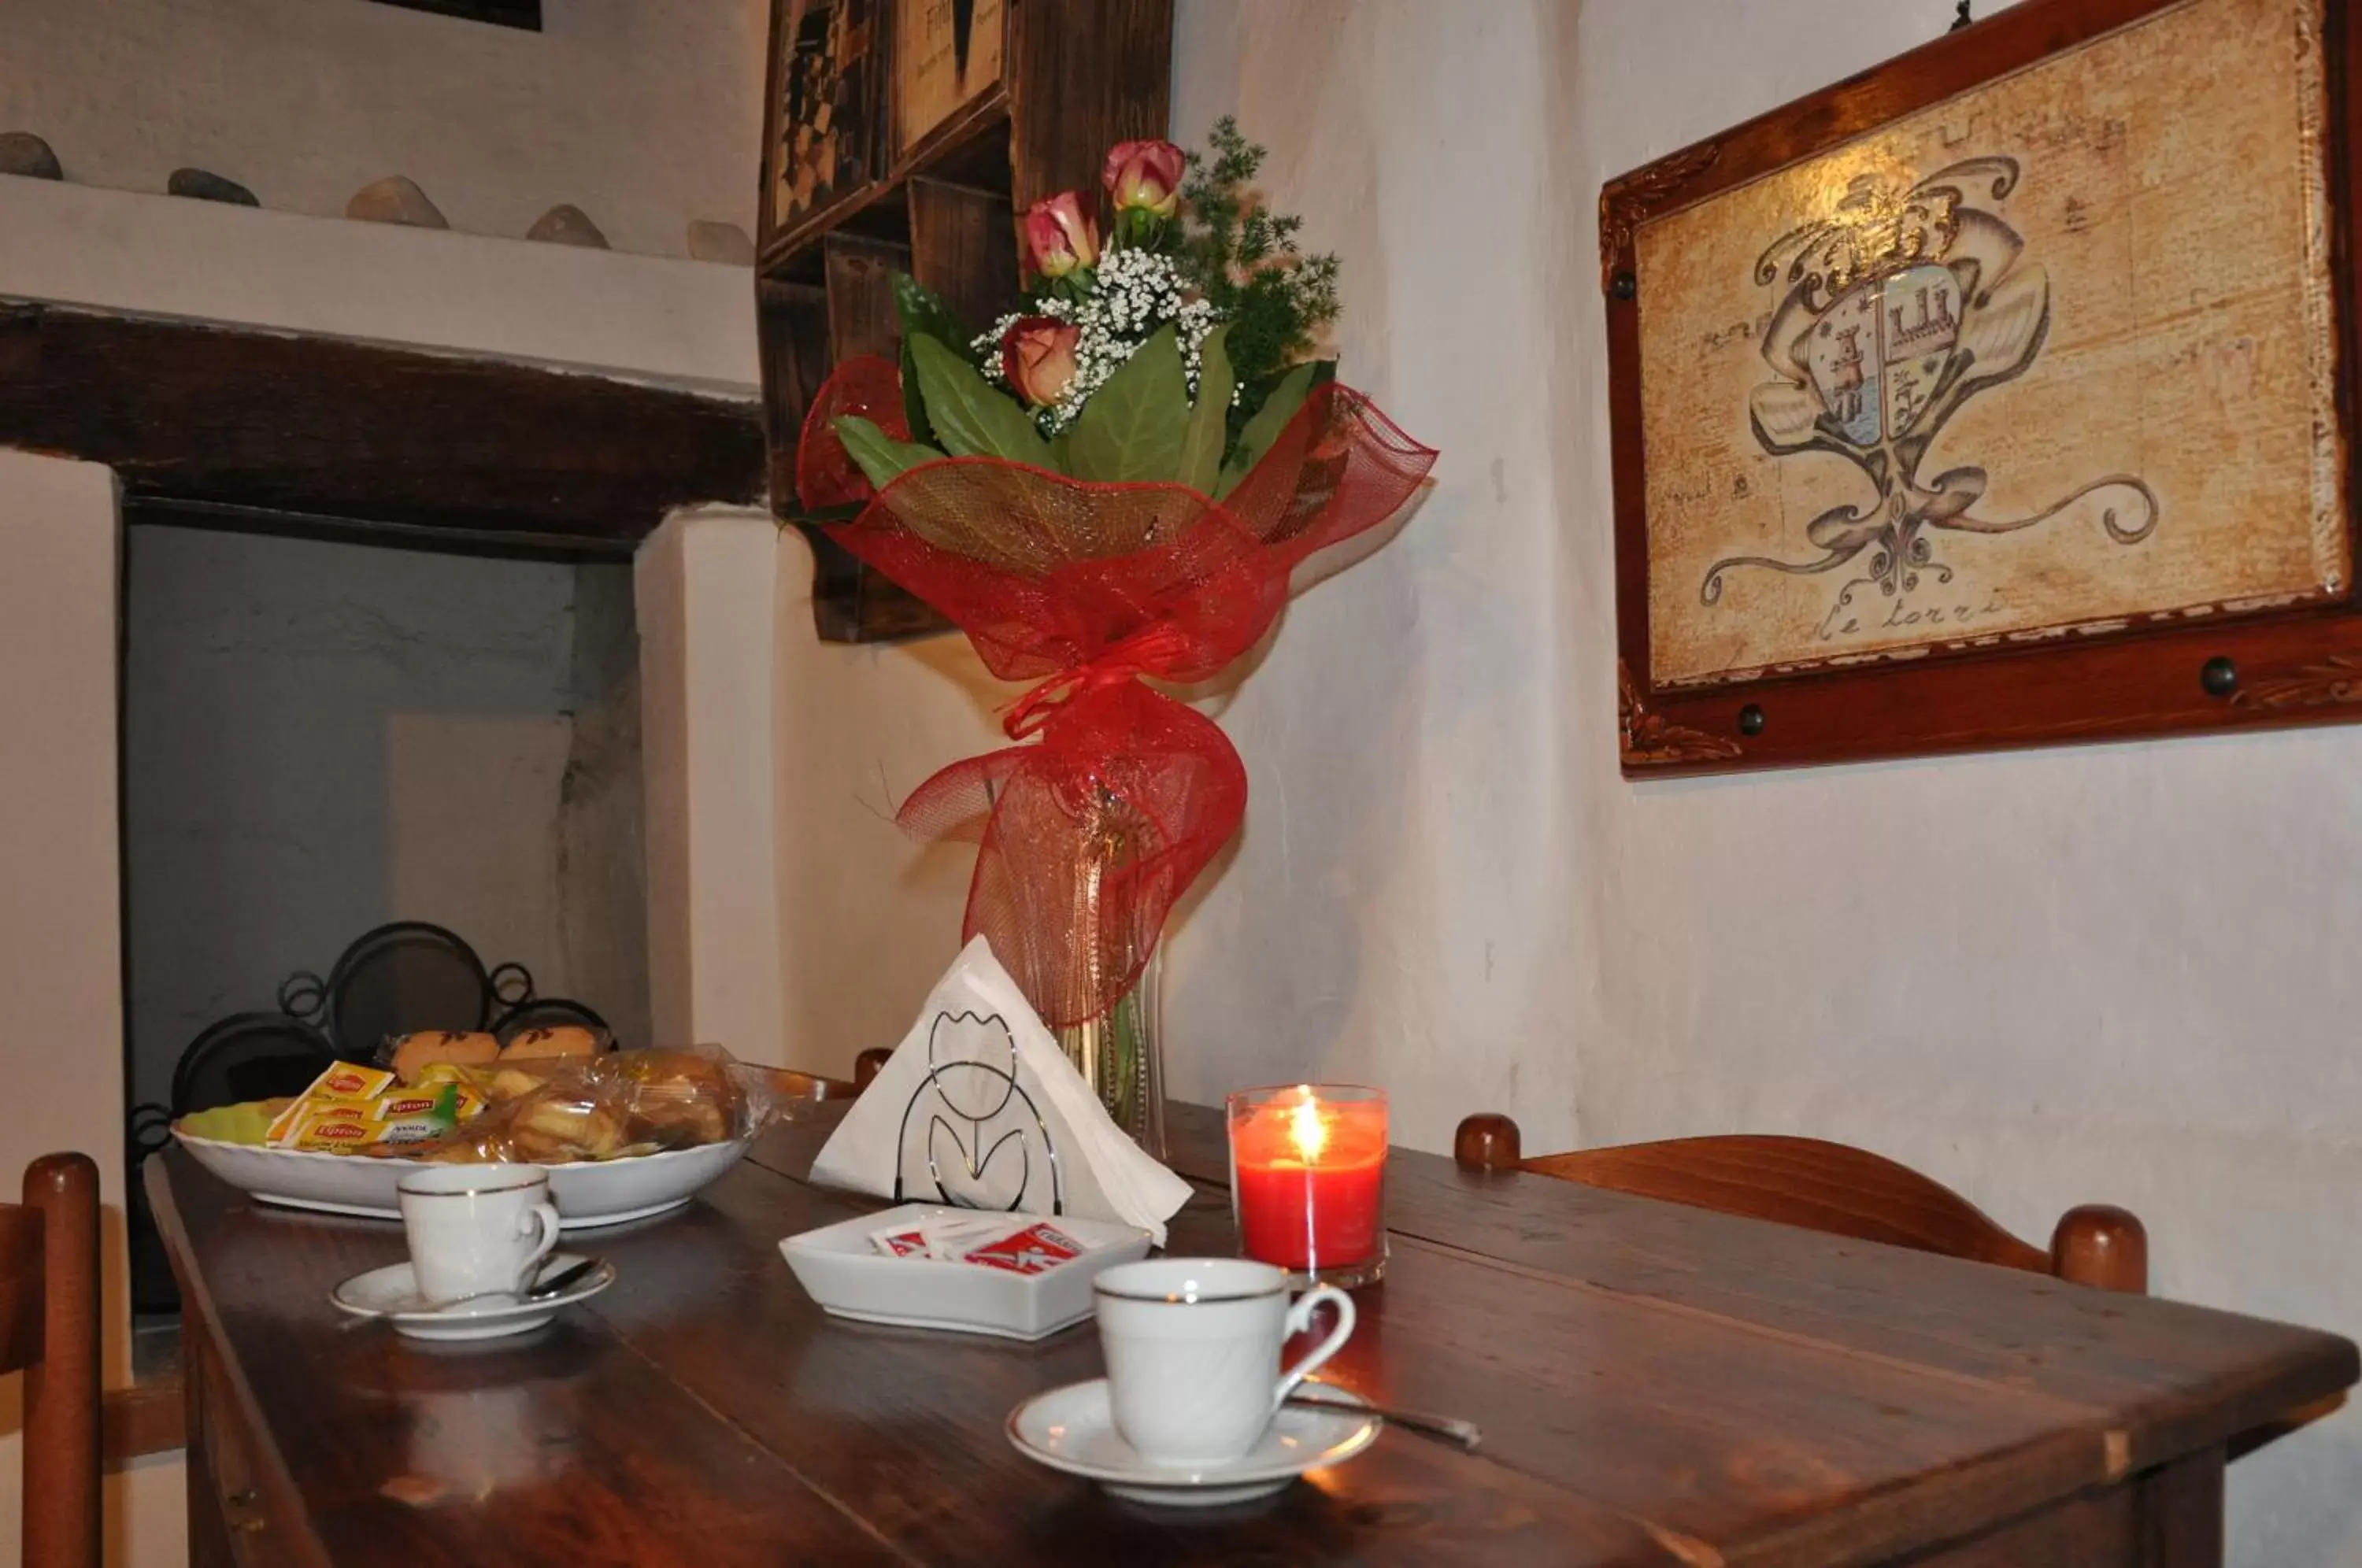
(1918, 325)
(1892, 312)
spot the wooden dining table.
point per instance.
(1656, 1384)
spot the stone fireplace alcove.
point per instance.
(297, 516)
(324, 735)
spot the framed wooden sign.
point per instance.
(525, 14)
(947, 54)
(823, 118)
(1999, 396)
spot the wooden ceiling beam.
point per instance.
(404, 439)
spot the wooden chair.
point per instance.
(1832, 1189)
(49, 1329)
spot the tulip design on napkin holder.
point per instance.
(978, 1103)
(978, 1096)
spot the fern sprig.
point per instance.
(1243, 257)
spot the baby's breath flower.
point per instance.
(1130, 297)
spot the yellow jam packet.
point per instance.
(346, 1086)
(350, 1083)
(330, 1130)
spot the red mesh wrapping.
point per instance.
(825, 475)
(1088, 835)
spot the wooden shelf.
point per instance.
(947, 152)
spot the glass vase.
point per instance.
(1121, 1055)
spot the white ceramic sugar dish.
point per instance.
(843, 1271)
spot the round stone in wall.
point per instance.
(711, 240)
(205, 186)
(395, 199)
(22, 153)
(566, 224)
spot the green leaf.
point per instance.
(969, 416)
(914, 402)
(1201, 444)
(1269, 421)
(1132, 428)
(881, 458)
(1062, 451)
(923, 314)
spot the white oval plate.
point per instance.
(370, 1295)
(1070, 1428)
(605, 1192)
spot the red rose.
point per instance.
(1037, 358)
(1144, 176)
(1060, 236)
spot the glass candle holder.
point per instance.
(1308, 1181)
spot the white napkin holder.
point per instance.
(978, 1109)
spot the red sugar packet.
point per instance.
(1034, 1250)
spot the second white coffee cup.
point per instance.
(1192, 1348)
(476, 1230)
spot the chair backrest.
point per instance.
(49, 1329)
(1834, 1190)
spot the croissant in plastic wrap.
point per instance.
(611, 1107)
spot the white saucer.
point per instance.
(372, 1294)
(1069, 1429)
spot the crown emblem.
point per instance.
(1876, 230)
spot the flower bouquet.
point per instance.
(1110, 486)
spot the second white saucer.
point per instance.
(380, 1291)
(1071, 1429)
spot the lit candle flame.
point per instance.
(1306, 1128)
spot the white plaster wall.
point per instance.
(1410, 827)
(702, 585)
(645, 113)
(2102, 974)
(869, 918)
(2119, 974)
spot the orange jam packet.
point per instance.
(344, 1085)
(331, 1130)
(403, 1116)
(350, 1083)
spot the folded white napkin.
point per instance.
(977, 1106)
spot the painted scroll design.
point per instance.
(1652, 738)
(2335, 681)
(1630, 201)
(1896, 311)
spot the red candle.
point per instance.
(1307, 1179)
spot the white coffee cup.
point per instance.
(1192, 1348)
(476, 1230)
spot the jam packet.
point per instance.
(343, 1085)
(403, 1116)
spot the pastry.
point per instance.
(414, 1053)
(566, 1040)
(513, 1083)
